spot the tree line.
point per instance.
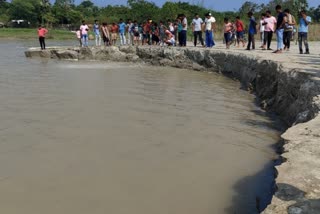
(67, 13)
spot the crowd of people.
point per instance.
(174, 32)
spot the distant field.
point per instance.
(31, 33)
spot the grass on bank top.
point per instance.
(32, 33)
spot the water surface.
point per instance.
(94, 137)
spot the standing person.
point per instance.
(155, 34)
(261, 29)
(210, 25)
(179, 29)
(234, 33)
(42, 35)
(129, 32)
(78, 34)
(84, 34)
(290, 22)
(105, 34)
(228, 27)
(96, 30)
(197, 23)
(269, 27)
(252, 31)
(184, 23)
(162, 33)
(240, 31)
(136, 33)
(304, 22)
(171, 27)
(280, 29)
(122, 30)
(145, 34)
(114, 33)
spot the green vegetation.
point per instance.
(64, 14)
(27, 33)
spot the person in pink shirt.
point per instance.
(42, 35)
(269, 27)
(84, 34)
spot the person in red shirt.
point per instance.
(240, 31)
(42, 35)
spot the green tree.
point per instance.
(247, 7)
(170, 10)
(29, 10)
(64, 3)
(315, 13)
(89, 10)
(142, 10)
(66, 12)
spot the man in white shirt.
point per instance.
(197, 29)
(210, 25)
(184, 23)
(129, 32)
(261, 29)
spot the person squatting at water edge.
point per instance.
(174, 32)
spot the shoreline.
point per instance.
(288, 84)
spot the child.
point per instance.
(228, 27)
(42, 34)
(78, 33)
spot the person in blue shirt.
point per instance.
(96, 30)
(252, 31)
(122, 30)
(304, 22)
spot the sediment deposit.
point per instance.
(286, 84)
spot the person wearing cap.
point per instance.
(210, 25)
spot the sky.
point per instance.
(219, 5)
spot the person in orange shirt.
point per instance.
(42, 35)
(114, 33)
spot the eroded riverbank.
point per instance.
(288, 85)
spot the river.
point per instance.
(101, 137)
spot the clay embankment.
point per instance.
(288, 84)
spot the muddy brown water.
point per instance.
(95, 137)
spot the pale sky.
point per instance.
(220, 5)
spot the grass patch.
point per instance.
(28, 33)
